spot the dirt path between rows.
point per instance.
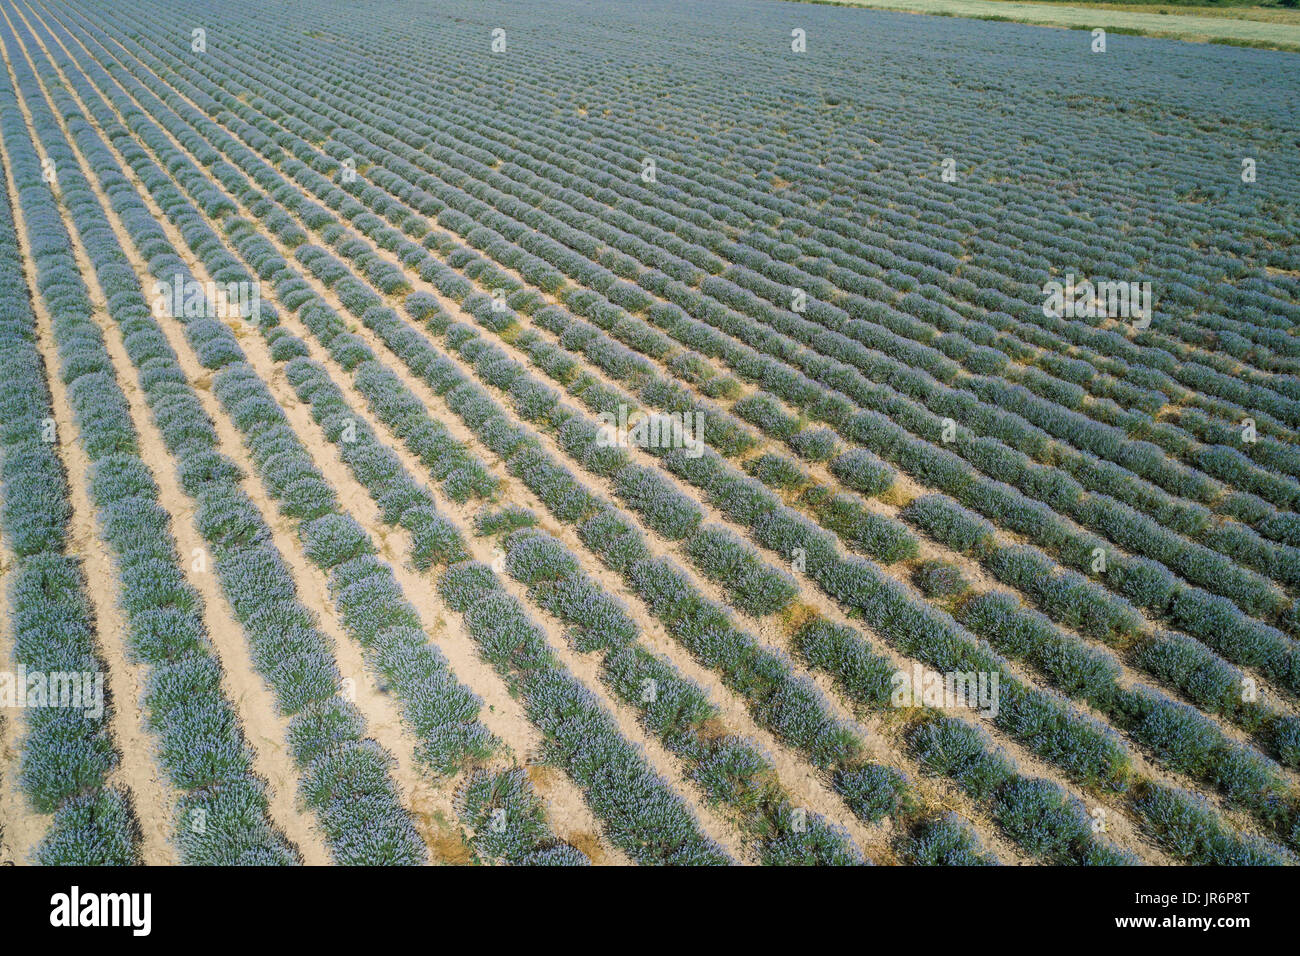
(383, 720)
(421, 589)
(824, 802)
(21, 827)
(814, 793)
(263, 728)
(563, 458)
(152, 796)
(432, 800)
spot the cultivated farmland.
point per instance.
(656, 433)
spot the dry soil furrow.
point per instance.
(564, 797)
(21, 827)
(770, 631)
(1047, 774)
(152, 796)
(263, 723)
(394, 547)
(397, 548)
(814, 793)
(263, 726)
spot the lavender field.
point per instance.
(477, 432)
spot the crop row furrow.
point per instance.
(1208, 575)
(723, 181)
(58, 805)
(272, 81)
(406, 665)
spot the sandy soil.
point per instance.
(358, 503)
(433, 801)
(151, 795)
(21, 827)
(768, 630)
(263, 727)
(496, 702)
